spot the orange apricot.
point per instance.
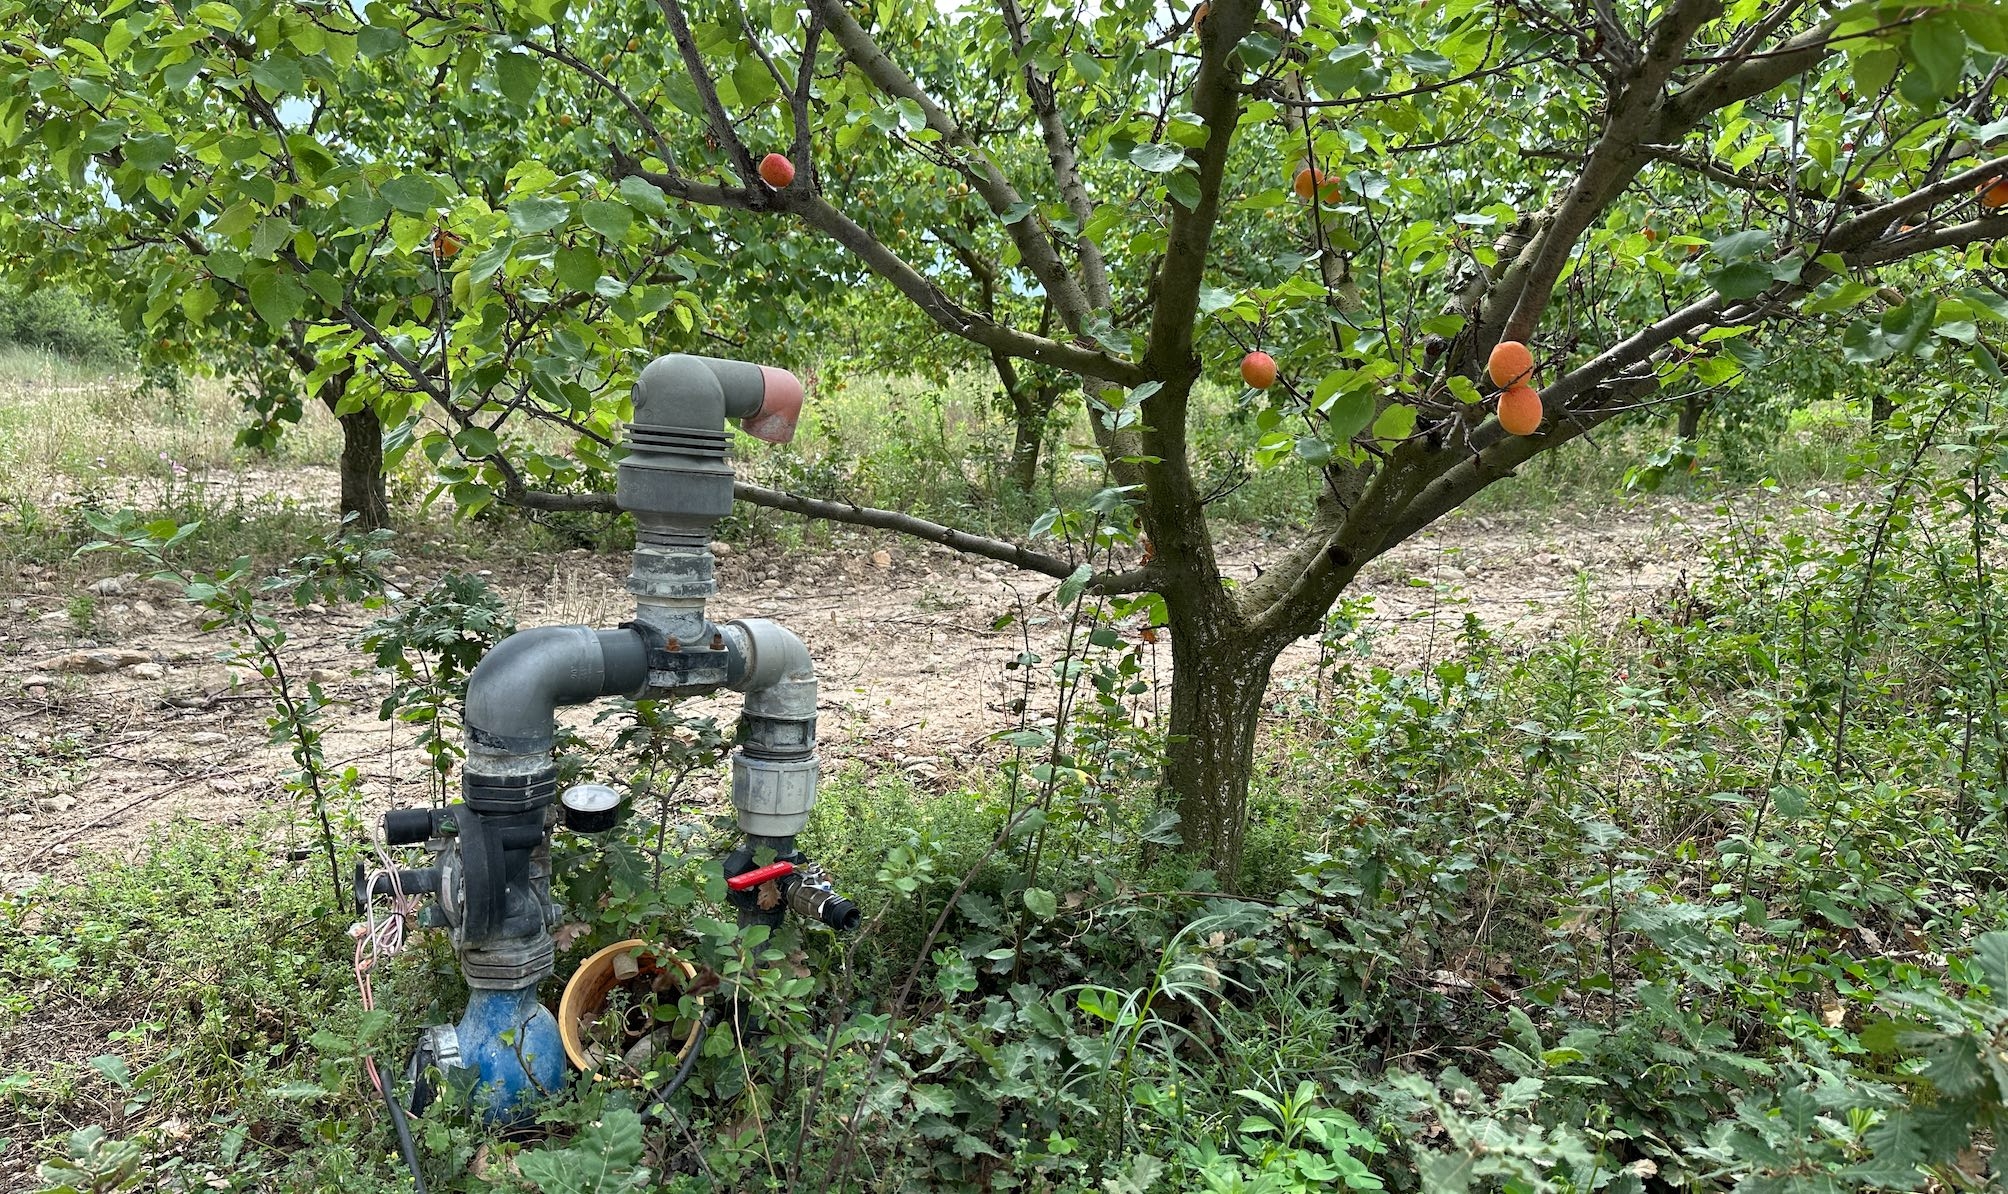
(1520, 410)
(1509, 363)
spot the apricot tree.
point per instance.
(1636, 191)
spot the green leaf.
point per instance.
(610, 220)
(538, 214)
(602, 1159)
(1741, 246)
(279, 74)
(475, 442)
(1745, 279)
(1426, 62)
(275, 296)
(1990, 951)
(578, 268)
(1070, 588)
(1874, 70)
(272, 233)
(644, 196)
(1938, 46)
(1350, 414)
(1157, 157)
(375, 41)
(412, 194)
(518, 76)
(753, 82)
(1397, 422)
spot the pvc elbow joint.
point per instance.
(700, 393)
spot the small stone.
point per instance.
(314, 607)
(149, 671)
(87, 644)
(38, 680)
(207, 738)
(722, 550)
(94, 662)
(324, 675)
(21, 819)
(881, 558)
(62, 803)
(54, 616)
(226, 786)
(18, 605)
(144, 609)
(110, 586)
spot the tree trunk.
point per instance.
(363, 493)
(1690, 416)
(1028, 425)
(1219, 676)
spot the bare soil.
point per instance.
(914, 676)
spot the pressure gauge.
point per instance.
(590, 808)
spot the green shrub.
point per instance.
(57, 320)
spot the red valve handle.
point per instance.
(758, 875)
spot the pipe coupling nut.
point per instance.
(773, 796)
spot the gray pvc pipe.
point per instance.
(514, 692)
(780, 678)
(680, 390)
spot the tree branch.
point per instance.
(1610, 167)
(715, 116)
(1132, 581)
(1066, 165)
(982, 171)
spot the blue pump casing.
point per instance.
(510, 1042)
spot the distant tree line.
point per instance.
(57, 319)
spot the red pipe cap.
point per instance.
(779, 410)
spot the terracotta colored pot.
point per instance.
(586, 992)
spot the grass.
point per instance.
(1632, 839)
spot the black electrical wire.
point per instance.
(403, 1126)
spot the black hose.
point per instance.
(659, 1098)
(403, 1126)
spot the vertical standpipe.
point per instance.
(493, 872)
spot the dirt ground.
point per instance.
(913, 676)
